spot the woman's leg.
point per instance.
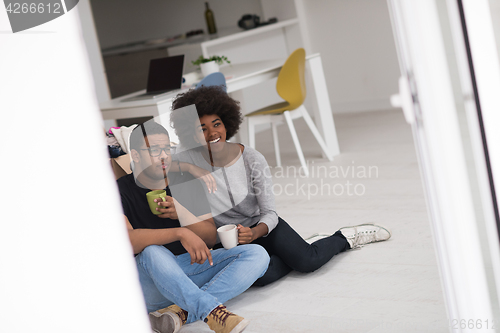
(276, 270)
(296, 253)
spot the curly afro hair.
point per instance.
(211, 100)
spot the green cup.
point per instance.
(151, 196)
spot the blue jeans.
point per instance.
(167, 279)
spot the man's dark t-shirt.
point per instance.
(188, 192)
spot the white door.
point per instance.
(450, 94)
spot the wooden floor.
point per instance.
(392, 286)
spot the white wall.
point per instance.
(495, 19)
(281, 9)
(66, 261)
(94, 54)
(124, 21)
(93, 49)
(357, 47)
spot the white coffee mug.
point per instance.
(228, 235)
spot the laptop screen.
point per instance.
(165, 74)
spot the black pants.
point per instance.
(289, 251)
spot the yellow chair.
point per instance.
(291, 86)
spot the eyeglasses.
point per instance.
(156, 151)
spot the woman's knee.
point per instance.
(266, 279)
(307, 265)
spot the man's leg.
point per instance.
(164, 283)
(167, 279)
(234, 271)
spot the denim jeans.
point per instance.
(167, 279)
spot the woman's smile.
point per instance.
(214, 131)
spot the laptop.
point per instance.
(165, 75)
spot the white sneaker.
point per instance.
(362, 234)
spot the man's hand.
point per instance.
(167, 208)
(205, 176)
(195, 246)
(245, 235)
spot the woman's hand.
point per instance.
(245, 235)
(204, 175)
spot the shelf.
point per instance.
(151, 45)
(248, 33)
(227, 35)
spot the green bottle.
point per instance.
(209, 16)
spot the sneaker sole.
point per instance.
(374, 225)
(241, 326)
(163, 322)
(316, 237)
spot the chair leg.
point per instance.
(276, 144)
(251, 132)
(316, 134)
(296, 142)
(242, 135)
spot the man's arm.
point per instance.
(141, 238)
(196, 247)
(205, 229)
(202, 225)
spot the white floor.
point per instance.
(391, 286)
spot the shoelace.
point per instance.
(220, 314)
(362, 236)
(183, 314)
